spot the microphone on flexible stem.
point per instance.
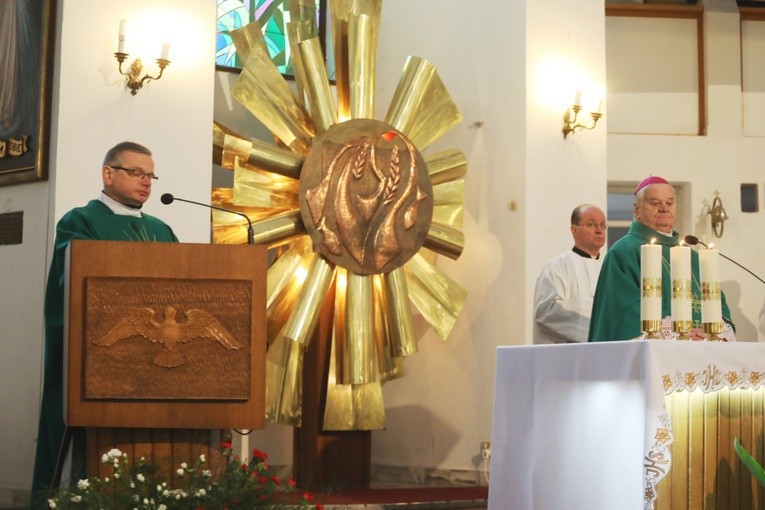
(168, 199)
(693, 241)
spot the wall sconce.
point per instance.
(570, 123)
(718, 215)
(133, 79)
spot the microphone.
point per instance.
(168, 198)
(693, 241)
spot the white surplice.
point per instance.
(563, 298)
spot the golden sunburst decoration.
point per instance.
(350, 206)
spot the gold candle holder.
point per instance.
(713, 330)
(682, 328)
(651, 329)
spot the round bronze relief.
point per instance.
(365, 196)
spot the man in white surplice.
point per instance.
(566, 285)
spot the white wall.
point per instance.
(93, 111)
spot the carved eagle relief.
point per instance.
(166, 330)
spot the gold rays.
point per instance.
(372, 320)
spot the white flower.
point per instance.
(77, 498)
(162, 507)
(136, 498)
(132, 484)
(140, 477)
(114, 453)
(145, 501)
(104, 459)
(116, 475)
(52, 503)
(83, 484)
(106, 480)
(179, 471)
(202, 457)
(184, 465)
(207, 473)
(201, 492)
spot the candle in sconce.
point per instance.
(709, 272)
(165, 51)
(650, 277)
(578, 98)
(121, 44)
(680, 272)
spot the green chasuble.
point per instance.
(616, 305)
(94, 221)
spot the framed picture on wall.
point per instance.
(272, 16)
(26, 71)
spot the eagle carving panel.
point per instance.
(157, 338)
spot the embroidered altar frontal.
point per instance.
(706, 473)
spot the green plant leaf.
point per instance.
(752, 465)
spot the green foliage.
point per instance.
(141, 486)
(752, 465)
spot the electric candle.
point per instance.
(121, 44)
(165, 50)
(711, 301)
(680, 271)
(650, 276)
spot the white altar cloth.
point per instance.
(580, 426)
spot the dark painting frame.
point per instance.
(28, 34)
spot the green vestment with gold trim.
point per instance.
(616, 305)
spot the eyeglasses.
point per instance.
(593, 225)
(133, 173)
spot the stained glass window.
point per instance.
(272, 15)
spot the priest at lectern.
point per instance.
(616, 310)
(127, 173)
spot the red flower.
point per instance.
(276, 480)
(308, 497)
(262, 497)
(257, 454)
(291, 483)
(319, 506)
(245, 467)
(262, 479)
(225, 446)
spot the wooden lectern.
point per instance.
(165, 342)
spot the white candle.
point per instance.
(650, 276)
(709, 272)
(578, 98)
(680, 271)
(165, 50)
(121, 45)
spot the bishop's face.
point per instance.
(129, 182)
(656, 208)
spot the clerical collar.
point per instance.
(583, 253)
(117, 208)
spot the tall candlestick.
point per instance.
(711, 298)
(650, 295)
(121, 44)
(682, 296)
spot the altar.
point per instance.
(627, 425)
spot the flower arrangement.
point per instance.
(141, 486)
